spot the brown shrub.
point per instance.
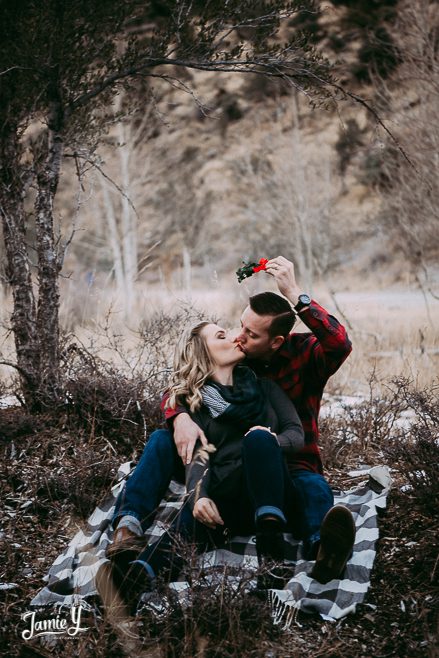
(362, 429)
(416, 454)
(118, 393)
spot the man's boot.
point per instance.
(337, 537)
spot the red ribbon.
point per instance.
(261, 266)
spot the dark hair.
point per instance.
(269, 303)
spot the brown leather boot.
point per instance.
(337, 537)
(125, 541)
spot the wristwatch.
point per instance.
(304, 300)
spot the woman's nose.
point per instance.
(232, 334)
(237, 335)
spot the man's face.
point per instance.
(254, 338)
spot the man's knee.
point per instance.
(315, 489)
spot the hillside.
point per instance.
(257, 172)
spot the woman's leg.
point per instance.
(264, 473)
(300, 498)
(145, 488)
(167, 556)
(264, 470)
(135, 572)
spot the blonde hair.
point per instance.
(192, 366)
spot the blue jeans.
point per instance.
(145, 488)
(300, 499)
(303, 497)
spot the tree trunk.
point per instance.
(48, 263)
(23, 320)
(129, 224)
(114, 239)
(303, 212)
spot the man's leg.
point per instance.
(145, 488)
(328, 532)
(309, 501)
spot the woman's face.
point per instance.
(223, 351)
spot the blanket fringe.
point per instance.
(284, 614)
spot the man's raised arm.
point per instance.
(185, 431)
(332, 346)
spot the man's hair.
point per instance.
(269, 303)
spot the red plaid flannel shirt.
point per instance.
(301, 367)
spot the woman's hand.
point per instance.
(261, 427)
(206, 512)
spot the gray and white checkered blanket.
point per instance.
(71, 578)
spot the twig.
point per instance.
(339, 311)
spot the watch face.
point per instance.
(305, 299)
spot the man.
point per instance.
(301, 364)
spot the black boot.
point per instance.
(270, 550)
(132, 580)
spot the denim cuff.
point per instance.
(131, 522)
(311, 546)
(269, 510)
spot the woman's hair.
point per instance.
(192, 366)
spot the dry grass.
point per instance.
(393, 330)
(50, 482)
(55, 467)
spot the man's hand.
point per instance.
(206, 511)
(261, 427)
(283, 271)
(186, 434)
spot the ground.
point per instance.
(52, 476)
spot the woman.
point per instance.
(240, 483)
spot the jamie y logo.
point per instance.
(53, 625)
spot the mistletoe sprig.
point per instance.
(248, 269)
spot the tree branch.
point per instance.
(108, 178)
(16, 366)
(16, 68)
(221, 66)
(377, 118)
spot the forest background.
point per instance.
(195, 171)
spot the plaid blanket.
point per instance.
(71, 578)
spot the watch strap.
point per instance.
(304, 302)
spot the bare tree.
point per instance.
(121, 192)
(61, 63)
(410, 192)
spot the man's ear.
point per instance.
(277, 342)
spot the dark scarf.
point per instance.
(243, 402)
